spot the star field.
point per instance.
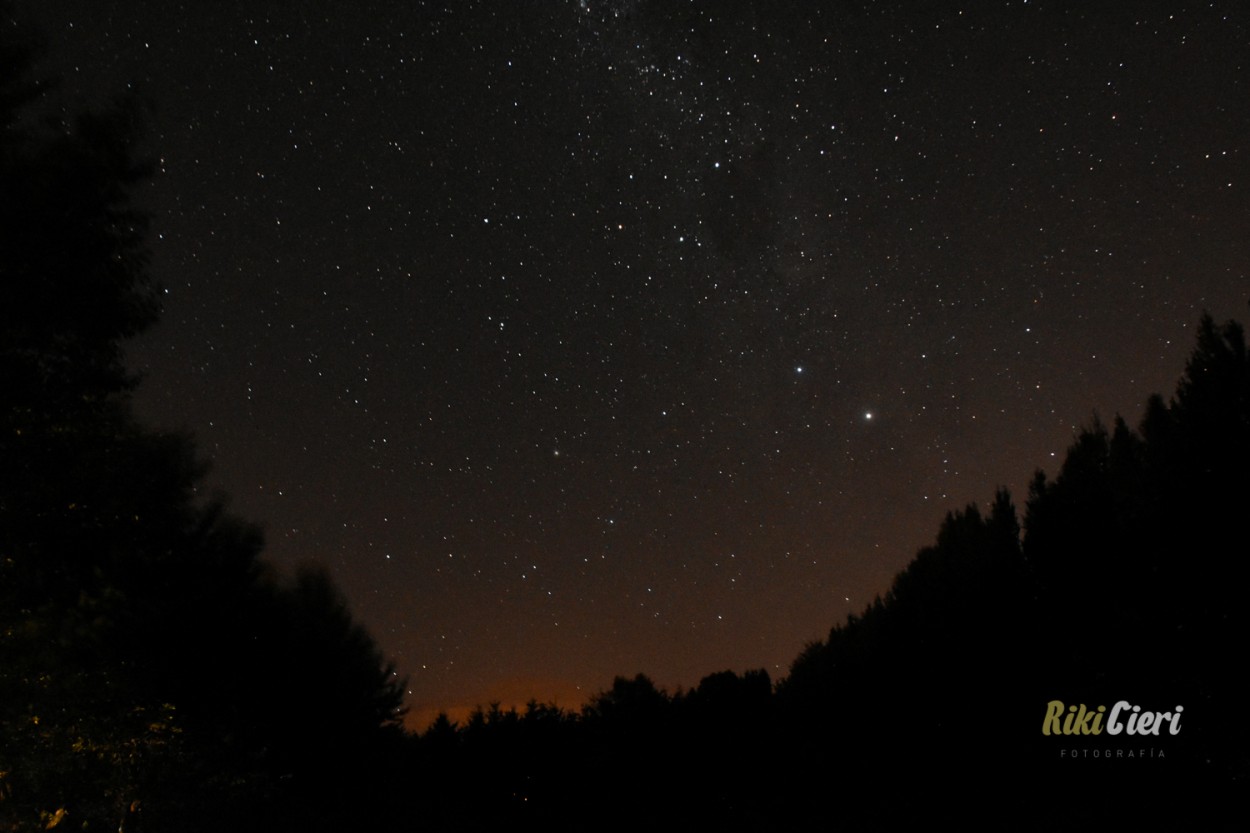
(582, 339)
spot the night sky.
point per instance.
(581, 339)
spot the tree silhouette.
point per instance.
(1123, 581)
(149, 662)
(1127, 583)
(73, 285)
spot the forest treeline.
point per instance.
(154, 672)
(156, 675)
(1123, 579)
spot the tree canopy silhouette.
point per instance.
(151, 665)
(1121, 580)
(1126, 583)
